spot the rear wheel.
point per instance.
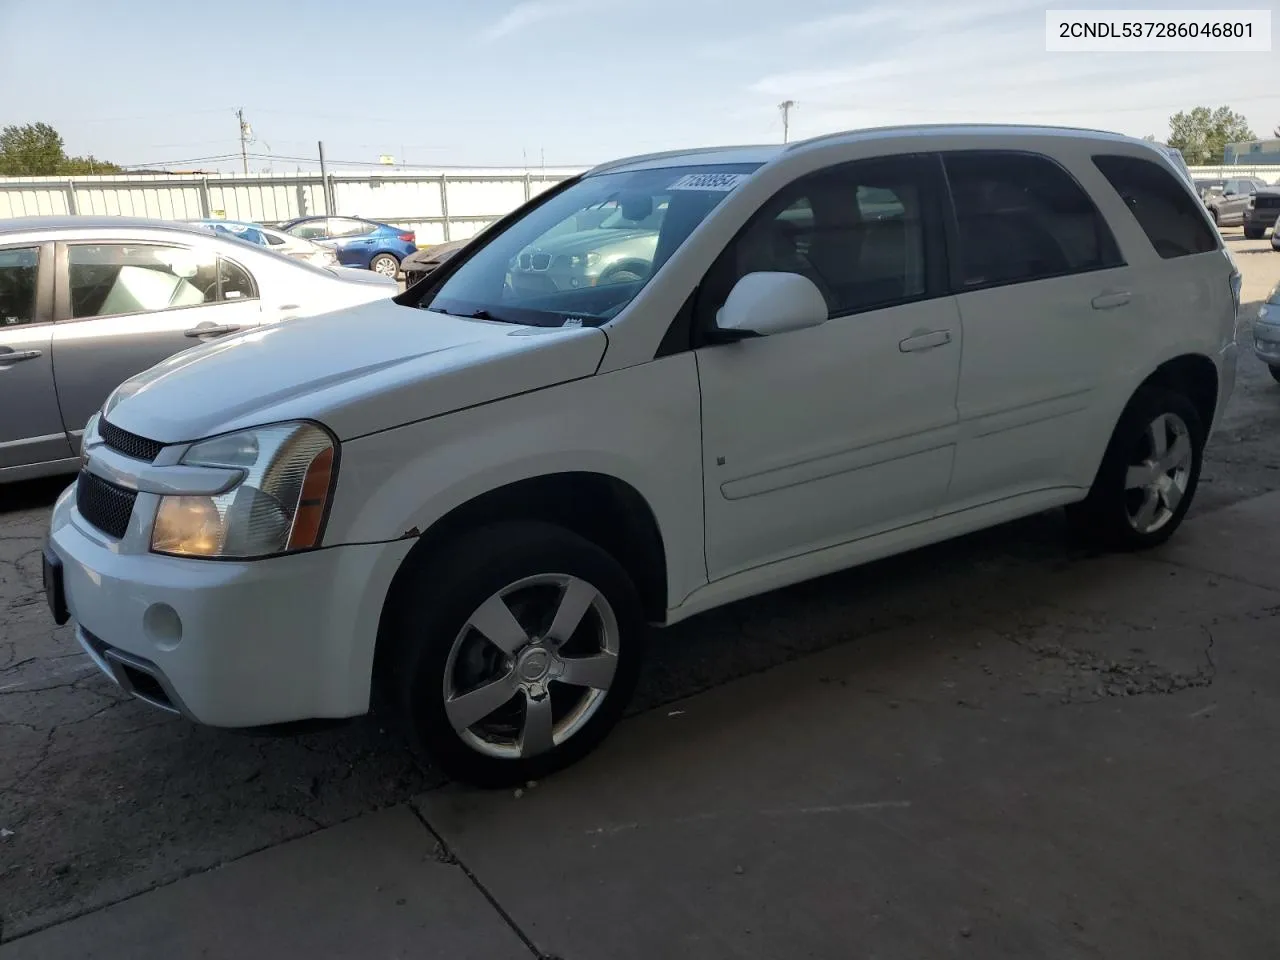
(1148, 475)
(512, 654)
(385, 264)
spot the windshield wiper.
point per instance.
(474, 315)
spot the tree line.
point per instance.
(37, 150)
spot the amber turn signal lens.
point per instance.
(309, 517)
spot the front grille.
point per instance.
(1266, 202)
(540, 261)
(103, 504)
(130, 444)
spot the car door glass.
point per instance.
(19, 268)
(856, 231)
(110, 279)
(344, 228)
(1169, 216)
(310, 230)
(235, 282)
(1022, 217)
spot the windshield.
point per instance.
(582, 256)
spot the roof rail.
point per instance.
(841, 134)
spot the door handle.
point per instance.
(13, 356)
(924, 341)
(212, 330)
(1111, 299)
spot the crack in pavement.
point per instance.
(1130, 677)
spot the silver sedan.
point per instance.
(87, 302)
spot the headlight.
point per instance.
(278, 507)
(1249, 205)
(589, 259)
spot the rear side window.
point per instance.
(1167, 212)
(1022, 217)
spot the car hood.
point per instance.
(435, 253)
(588, 240)
(359, 275)
(357, 371)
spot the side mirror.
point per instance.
(765, 304)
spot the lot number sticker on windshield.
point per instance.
(720, 182)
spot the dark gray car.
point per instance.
(87, 302)
(1227, 208)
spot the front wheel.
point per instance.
(385, 264)
(512, 654)
(1253, 233)
(1148, 475)
(1275, 372)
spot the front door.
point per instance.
(125, 306)
(30, 423)
(821, 436)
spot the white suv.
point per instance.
(461, 507)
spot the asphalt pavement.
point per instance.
(999, 745)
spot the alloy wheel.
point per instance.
(531, 666)
(1156, 484)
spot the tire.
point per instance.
(512, 575)
(1114, 515)
(1275, 372)
(385, 264)
(1254, 233)
(1214, 212)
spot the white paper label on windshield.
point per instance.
(719, 182)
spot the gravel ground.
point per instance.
(102, 797)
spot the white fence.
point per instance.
(439, 204)
(1267, 172)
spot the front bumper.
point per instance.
(227, 643)
(1266, 341)
(1261, 219)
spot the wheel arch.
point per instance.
(1194, 375)
(603, 509)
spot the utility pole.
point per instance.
(786, 106)
(244, 140)
(324, 181)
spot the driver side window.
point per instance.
(857, 231)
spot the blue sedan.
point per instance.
(358, 243)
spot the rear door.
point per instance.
(30, 423)
(123, 306)
(354, 240)
(1040, 286)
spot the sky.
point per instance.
(571, 82)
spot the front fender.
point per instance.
(639, 425)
